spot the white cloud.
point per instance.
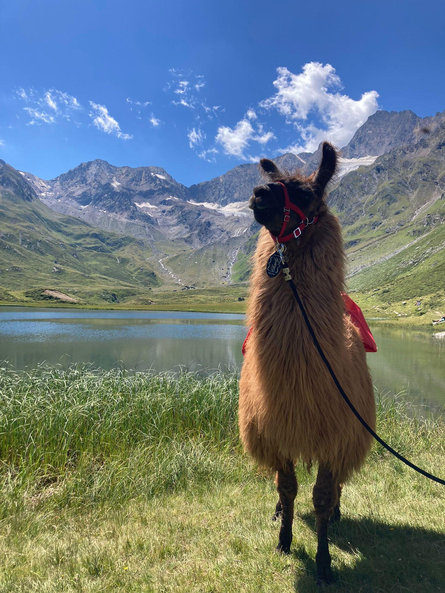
(50, 101)
(105, 122)
(38, 117)
(315, 92)
(155, 122)
(138, 103)
(235, 140)
(263, 137)
(22, 94)
(184, 103)
(48, 106)
(186, 89)
(251, 114)
(68, 100)
(182, 87)
(208, 155)
(139, 107)
(195, 137)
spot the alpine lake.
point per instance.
(409, 364)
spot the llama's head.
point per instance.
(267, 201)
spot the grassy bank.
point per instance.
(136, 482)
(233, 299)
(219, 299)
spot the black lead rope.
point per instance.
(346, 398)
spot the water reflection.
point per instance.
(408, 361)
(134, 339)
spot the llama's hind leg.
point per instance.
(325, 498)
(287, 490)
(278, 508)
(336, 513)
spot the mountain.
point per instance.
(236, 185)
(147, 203)
(41, 251)
(383, 131)
(392, 213)
(398, 187)
(388, 194)
(144, 202)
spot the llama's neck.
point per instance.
(316, 263)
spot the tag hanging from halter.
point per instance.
(274, 265)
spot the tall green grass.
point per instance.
(118, 481)
(115, 434)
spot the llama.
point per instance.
(289, 407)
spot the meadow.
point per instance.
(136, 482)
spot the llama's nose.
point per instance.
(257, 203)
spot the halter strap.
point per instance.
(288, 206)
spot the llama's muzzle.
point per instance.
(258, 203)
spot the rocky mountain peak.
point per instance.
(383, 131)
(13, 183)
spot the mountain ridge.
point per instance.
(203, 234)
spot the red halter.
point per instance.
(305, 222)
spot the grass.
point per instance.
(112, 481)
(218, 299)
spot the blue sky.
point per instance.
(199, 87)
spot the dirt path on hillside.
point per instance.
(169, 272)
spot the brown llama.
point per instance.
(289, 406)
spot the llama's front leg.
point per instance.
(287, 490)
(325, 498)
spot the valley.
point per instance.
(106, 236)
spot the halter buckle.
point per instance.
(297, 232)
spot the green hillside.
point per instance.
(243, 265)
(206, 266)
(392, 216)
(41, 250)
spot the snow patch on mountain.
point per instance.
(345, 166)
(232, 209)
(146, 205)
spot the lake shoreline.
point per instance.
(409, 360)
(408, 321)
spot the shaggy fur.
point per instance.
(289, 407)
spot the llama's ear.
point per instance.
(270, 169)
(327, 167)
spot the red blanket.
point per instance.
(357, 319)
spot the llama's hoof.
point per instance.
(324, 575)
(283, 549)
